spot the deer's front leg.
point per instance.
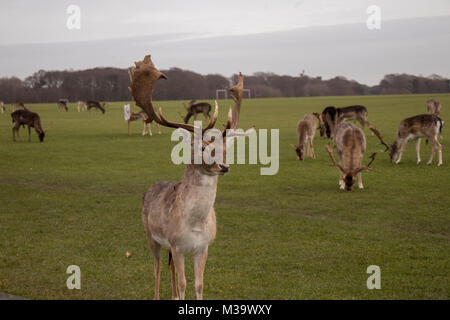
(178, 260)
(199, 269)
(29, 134)
(418, 150)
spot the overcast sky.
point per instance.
(44, 22)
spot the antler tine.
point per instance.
(229, 121)
(377, 133)
(367, 167)
(330, 152)
(213, 120)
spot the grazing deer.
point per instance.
(332, 116)
(195, 108)
(82, 106)
(96, 105)
(141, 115)
(180, 215)
(422, 125)
(31, 119)
(434, 107)
(62, 104)
(2, 107)
(306, 129)
(350, 143)
(18, 106)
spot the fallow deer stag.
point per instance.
(180, 215)
(195, 108)
(306, 129)
(434, 107)
(31, 119)
(96, 105)
(332, 116)
(350, 143)
(422, 125)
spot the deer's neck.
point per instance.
(198, 194)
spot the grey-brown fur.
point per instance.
(434, 107)
(96, 105)
(31, 120)
(141, 115)
(194, 108)
(306, 129)
(2, 107)
(424, 125)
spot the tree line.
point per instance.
(111, 84)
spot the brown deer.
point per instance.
(180, 215)
(62, 104)
(194, 108)
(350, 143)
(306, 129)
(96, 105)
(31, 119)
(141, 115)
(434, 107)
(422, 125)
(332, 116)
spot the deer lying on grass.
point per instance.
(195, 108)
(62, 104)
(434, 107)
(82, 106)
(180, 215)
(96, 105)
(31, 119)
(332, 116)
(146, 120)
(306, 129)
(422, 125)
(2, 107)
(350, 143)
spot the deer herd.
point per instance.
(180, 216)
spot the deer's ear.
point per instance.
(294, 146)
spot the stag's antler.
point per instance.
(367, 167)
(377, 133)
(330, 152)
(143, 79)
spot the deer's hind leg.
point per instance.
(418, 150)
(313, 155)
(435, 146)
(14, 130)
(29, 134)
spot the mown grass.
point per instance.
(76, 199)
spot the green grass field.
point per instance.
(76, 200)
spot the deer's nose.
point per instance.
(224, 167)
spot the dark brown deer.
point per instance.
(332, 116)
(62, 104)
(96, 105)
(195, 108)
(31, 119)
(180, 214)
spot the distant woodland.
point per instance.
(111, 84)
